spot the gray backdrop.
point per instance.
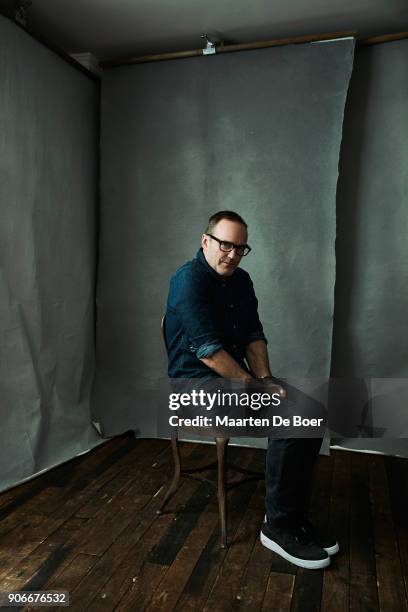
(48, 191)
(371, 322)
(257, 132)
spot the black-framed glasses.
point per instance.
(240, 249)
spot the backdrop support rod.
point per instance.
(295, 40)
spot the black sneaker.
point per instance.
(294, 545)
(325, 540)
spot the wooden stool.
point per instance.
(220, 464)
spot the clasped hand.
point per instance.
(268, 384)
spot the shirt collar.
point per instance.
(209, 269)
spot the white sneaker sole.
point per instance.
(332, 550)
(306, 563)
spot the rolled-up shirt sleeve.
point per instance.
(207, 349)
(189, 299)
(255, 329)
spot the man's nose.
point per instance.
(232, 253)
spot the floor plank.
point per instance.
(336, 582)
(397, 475)
(390, 581)
(363, 579)
(279, 591)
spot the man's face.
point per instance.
(229, 231)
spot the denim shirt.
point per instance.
(207, 312)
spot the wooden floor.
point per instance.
(90, 527)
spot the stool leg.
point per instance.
(221, 444)
(177, 471)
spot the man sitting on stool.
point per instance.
(212, 327)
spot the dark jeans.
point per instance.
(288, 479)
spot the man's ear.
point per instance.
(204, 240)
